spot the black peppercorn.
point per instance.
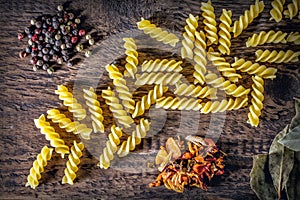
(40, 47)
(34, 68)
(51, 52)
(69, 45)
(33, 60)
(58, 43)
(66, 58)
(39, 63)
(55, 48)
(44, 31)
(48, 21)
(48, 34)
(69, 64)
(38, 24)
(45, 66)
(46, 58)
(71, 16)
(34, 53)
(40, 54)
(55, 57)
(64, 52)
(45, 51)
(28, 50)
(75, 32)
(48, 46)
(51, 41)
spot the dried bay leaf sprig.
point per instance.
(281, 165)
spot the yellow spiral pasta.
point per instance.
(195, 91)
(224, 33)
(158, 65)
(256, 101)
(69, 101)
(247, 18)
(131, 57)
(223, 66)
(210, 24)
(157, 33)
(200, 57)
(116, 108)
(221, 106)
(294, 37)
(158, 78)
(293, 9)
(72, 163)
(178, 103)
(276, 11)
(120, 86)
(113, 72)
(51, 135)
(134, 139)
(94, 108)
(227, 86)
(277, 57)
(66, 123)
(111, 147)
(38, 167)
(254, 68)
(189, 37)
(266, 37)
(148, 100)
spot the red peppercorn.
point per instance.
(21, 36)
(81, 32)
(34, 38)
(74, 39)
(34, 48)
(74, 25)
(50, 29)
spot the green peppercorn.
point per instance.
(63, 46)
(88, 36)
(50, 70)
(30, 42)
(60, 8)
(32, 21)
(59, 61)
(88, 53)
(79, 47)
(91, 41)
(77, 21)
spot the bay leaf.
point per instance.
(296, 119)
(260, 178)
(292, 187)
(281, 161)
(292, 139)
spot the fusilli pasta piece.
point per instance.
(221, 106)
(66, 123)
(116, 108)
(161, 66)
(266, 37)
(38, 167)
(148, 100)
(189, 37)
(51, 135)
(123, 91)
(247, 18)
(111, 147)
(256, 101)
(95, 110)
(195, 91)
(293, 9)
(134, 139)
(72, 163)
(158, 78)
(254, 68)
(210, 24)
(276, 11)
(277, 57)
(131, 58)
(178, 103)
(200, 57)
(224, 33)
(69, 101)
(157, 33)
(294, 37)
(227, 86)
(223, 66)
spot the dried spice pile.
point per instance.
(194, 168)
(54, 39)
(276, 175)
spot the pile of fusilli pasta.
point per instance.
(213, 74)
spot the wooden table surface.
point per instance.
(26, 94)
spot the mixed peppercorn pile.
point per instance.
(54, 39)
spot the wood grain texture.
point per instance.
(26, 94)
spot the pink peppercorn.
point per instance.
(34, 38)
(21, 36)
(81, 32)
(74, 39)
